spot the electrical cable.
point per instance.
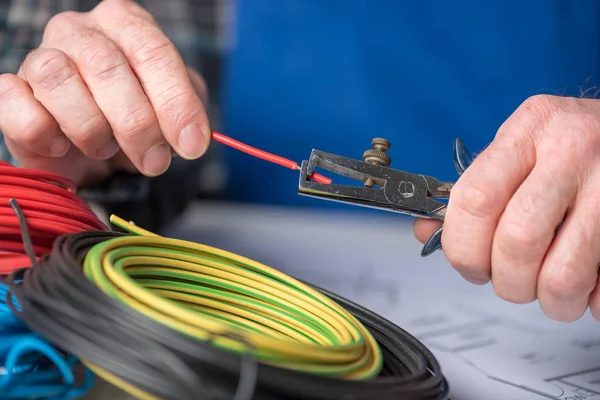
(51, 207)
(30, 368)
(284, 162)
(200, 290)
(149, 355)
(179, 320)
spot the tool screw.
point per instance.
(377, 155)
(381, 144)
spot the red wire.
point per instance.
(51, 209)
(284, 162)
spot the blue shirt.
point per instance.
(332, 74)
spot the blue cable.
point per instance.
(30, 368)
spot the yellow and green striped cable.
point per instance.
(205, 292)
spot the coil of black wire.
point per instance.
(57, 300)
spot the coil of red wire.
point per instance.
(51, 207)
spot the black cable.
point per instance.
(25, 237)
(58, 301)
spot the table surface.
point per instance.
(488, 348)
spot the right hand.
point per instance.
(106, 90)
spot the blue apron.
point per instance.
(332, 74)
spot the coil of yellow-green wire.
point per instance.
(201, 291)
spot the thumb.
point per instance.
(423, 228)
(121, 162)
(199, 84)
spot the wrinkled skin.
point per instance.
(105, 90)
(542, 170)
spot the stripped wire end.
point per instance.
(284, 162)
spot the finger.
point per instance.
(164, 77)
(116, 91)
(483, 191)
(57, 85)
(570, 270)
(26, 123)
(478, 200)
(199, 85)
(424, 228)
(528, 225)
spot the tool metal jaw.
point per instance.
(393, 190)
(383, 187)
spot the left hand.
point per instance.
(542, 170)
(105, 91)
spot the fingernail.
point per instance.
(59, 146)
(193, 141)
(206, 130)
(157, 160)
(108, 150)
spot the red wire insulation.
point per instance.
(50, 206)
(284, 162)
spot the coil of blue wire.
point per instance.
(31, 368)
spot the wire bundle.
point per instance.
(51, 207)
(202, 291)
(143, 337)
(30, 368)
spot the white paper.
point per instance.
(488, 348)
